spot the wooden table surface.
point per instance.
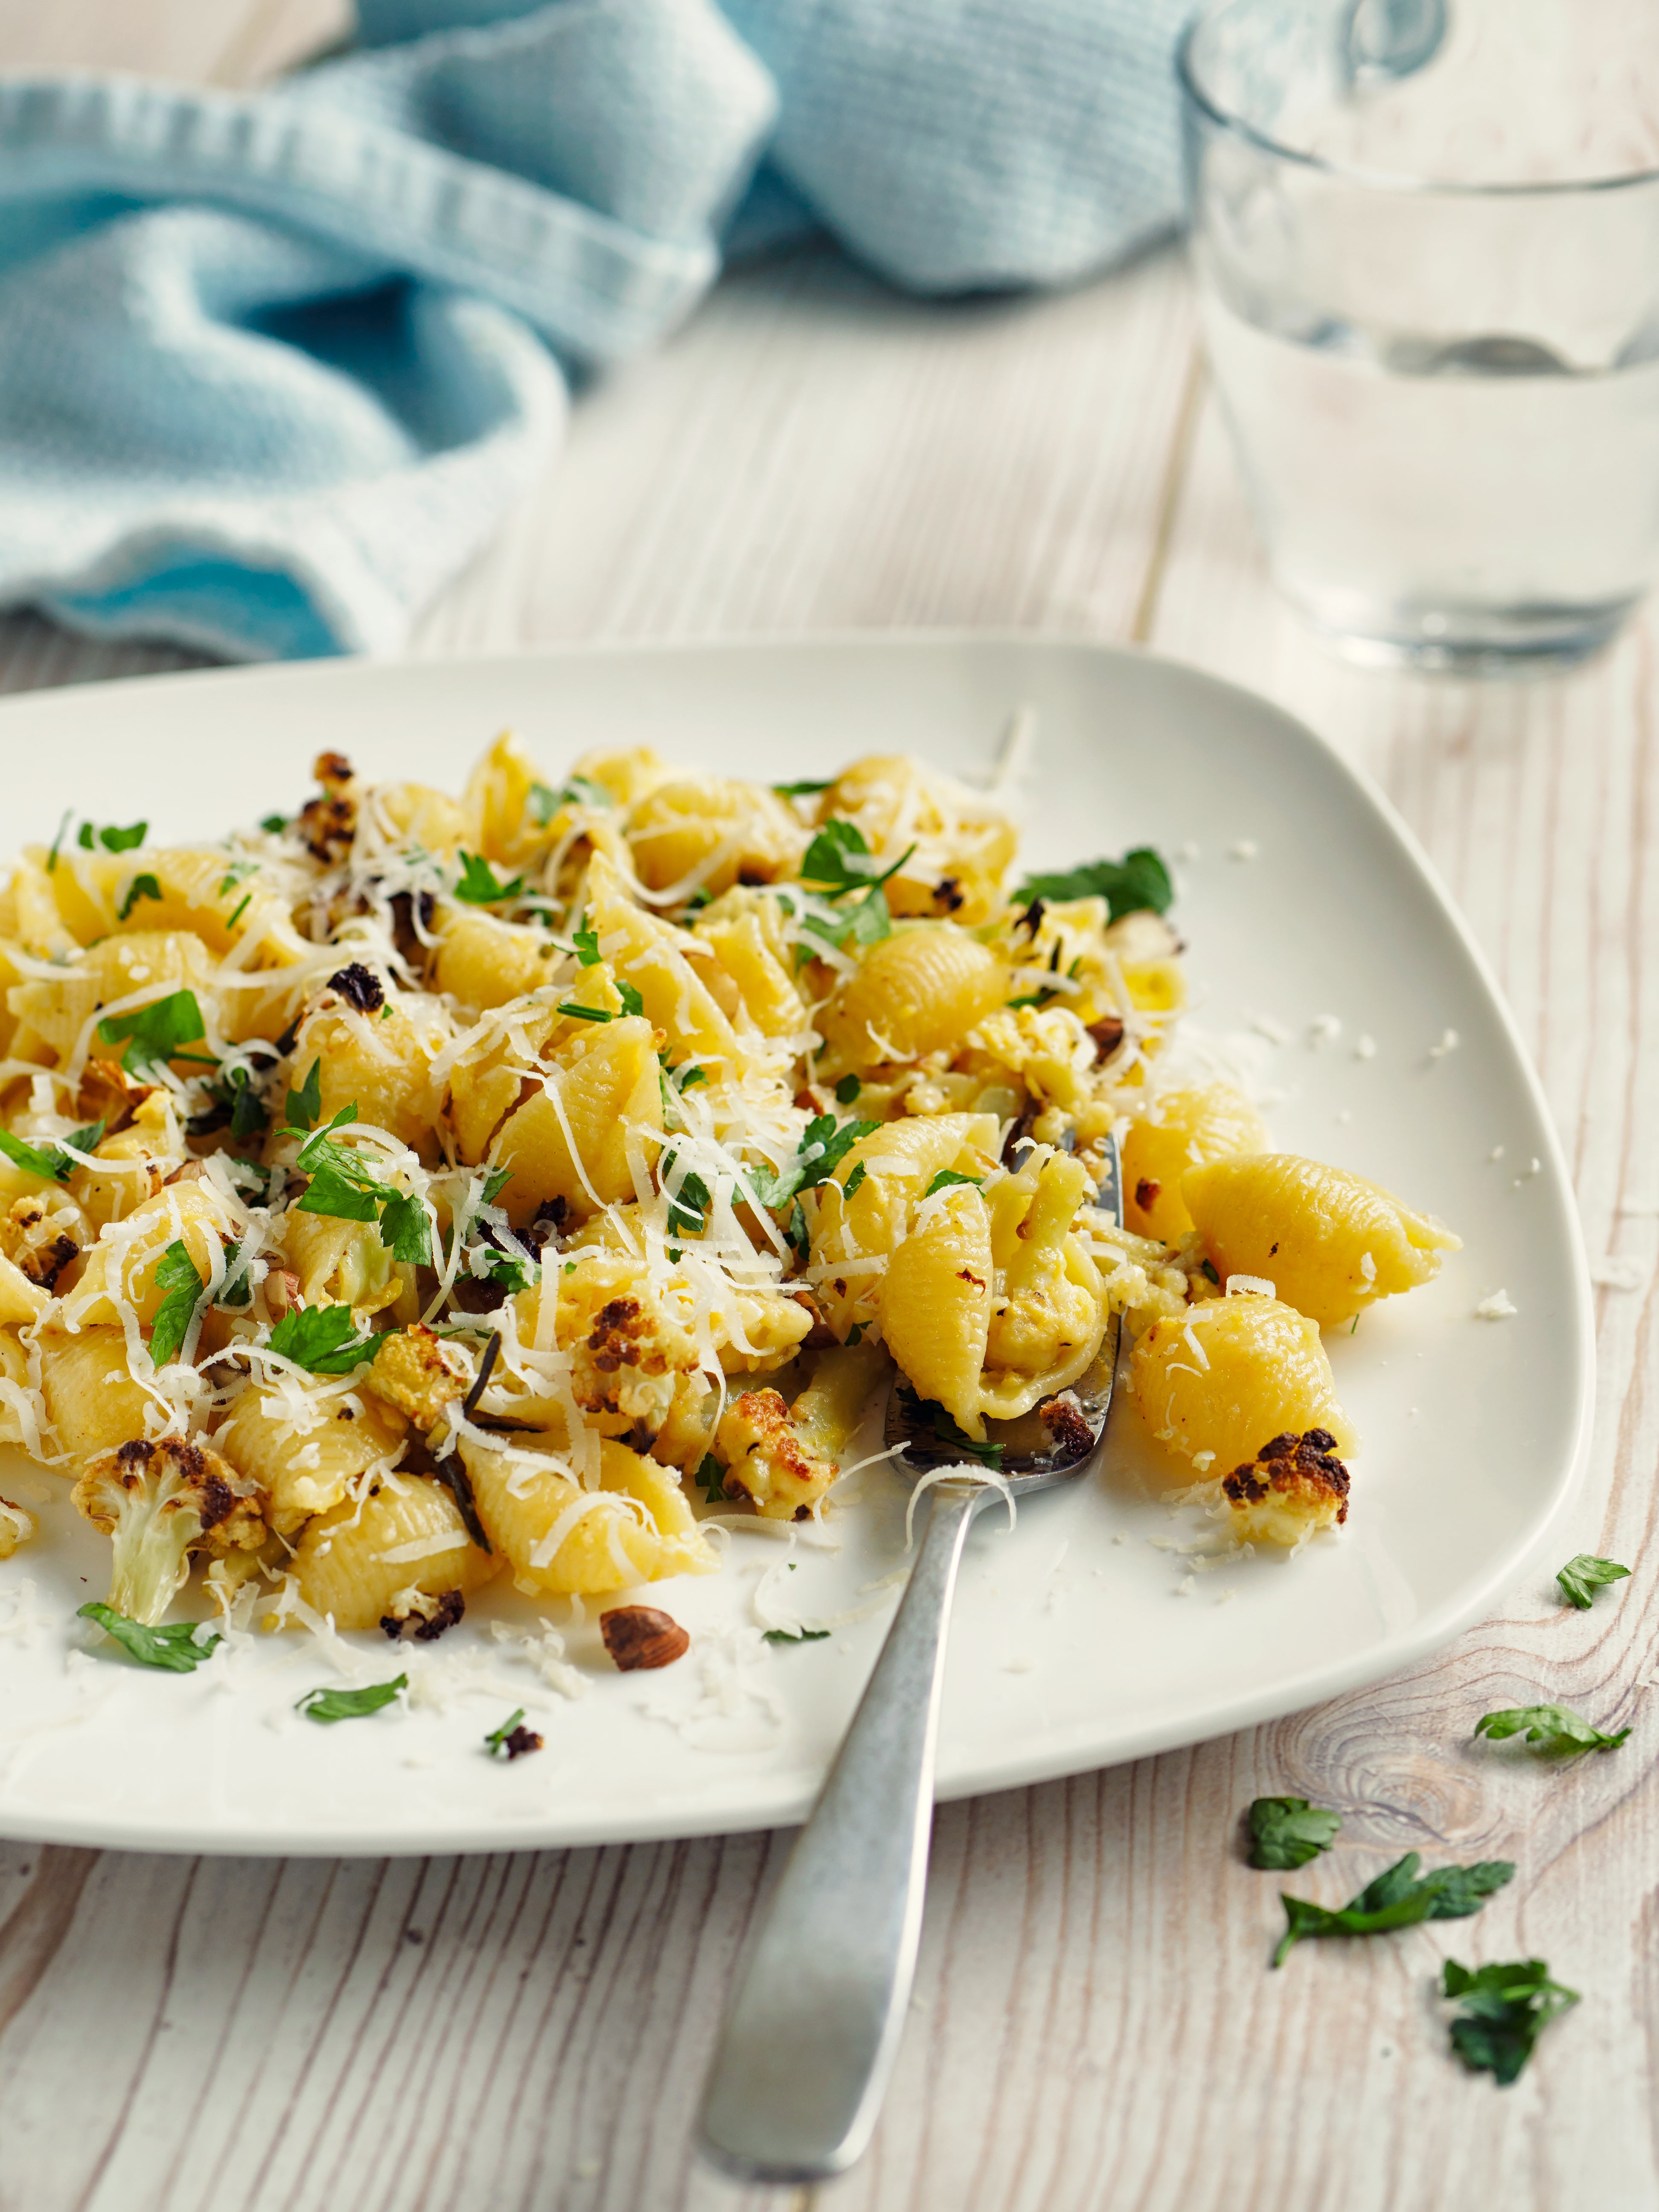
(1093, 2025)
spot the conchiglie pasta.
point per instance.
(936, 1307)
(120, 1269)
(1328, 1241)
(1220, 1381)
(558, 1538)
(92, 1400)
(381, 1063)
(569, 1140)
(354, 1563)
(1179, 1130)
(483, 962)
(898, 1161)
(305, 1457)
(652, 956)
(920, 990)
(711, 831)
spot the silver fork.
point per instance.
(814, 2026)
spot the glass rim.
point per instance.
(1386, 180)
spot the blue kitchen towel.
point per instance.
(273, 367)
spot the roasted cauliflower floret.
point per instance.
(768, 1458)
(16, 1527)
(420, 1374)
(161, 1501)
(1295, 1485)
(1047, 1315)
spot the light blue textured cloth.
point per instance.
(272, 368)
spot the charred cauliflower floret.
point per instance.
(1295, 1485)
(161, 1501)
(16, 1527)
(768, 1458)
(419, 1374)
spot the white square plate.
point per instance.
(1080, 1639)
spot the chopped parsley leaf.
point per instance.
(823, 1147)
(175, 1274)
(155, 1033)
(1138, 883)
(931, 1423)
(1582, 1578)
(494, 1183)
(848, 1090)
(511, 1739)
(946, 1176)
(51, 857)
(306, 1103)
(632, 1002)
(1397, 1899)
(273, 824)
(112, 840)
(236, 872)
(839, 860)
(1505, 2008)
(808, 788)
(140, 887)
(587, 942)
(478, 884)
(543, 802)
(688, 1206)
(406, 1232)
(712, 1475)
(586, 1014)
(1552, 1729)
(1288, 1831)
(176, 1649)
(323, 1340)
(329, 1705)
(796, 1234)
(49, 1160)
(859, 1173)
(794, 1635)
(687, 1078)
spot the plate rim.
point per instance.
(1392, 1654)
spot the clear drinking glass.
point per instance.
(1426, 239)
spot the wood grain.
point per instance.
(1094, 2023)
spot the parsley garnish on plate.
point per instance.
(175, 1274)
(712, 1475)
(1140, 882)
(323, 1340)
(1397, 1899)
(49, 1160)
(794, 1635)
(179, 1649)
(512, 1740)
(328, 1705)
(155, 1033)
(1288, 1831)
(1582, 1578)
(1504, 2010)
(1551, 1729)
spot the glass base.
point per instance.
(1449, 640)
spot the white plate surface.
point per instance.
(1074, 1645)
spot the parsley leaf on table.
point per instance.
(176, 1648)
(1582, 1578)
(1397, 1899)
(1288, 1831)
(1137, 882)
(1505, 2007)
(1552, 1729)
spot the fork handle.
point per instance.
(814, 2027)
